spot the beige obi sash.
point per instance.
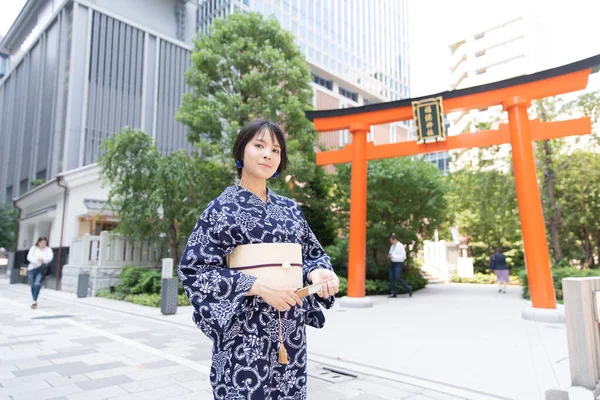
(274, 262)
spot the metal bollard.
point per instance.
(83, 283)
(168, 291)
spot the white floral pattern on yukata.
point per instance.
(244, 329)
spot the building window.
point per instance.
(322, 82)
(23, 186)
(246, 3)
(347, 93)
(9, 194)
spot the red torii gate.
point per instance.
(515, 96)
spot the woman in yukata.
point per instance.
(257, 324)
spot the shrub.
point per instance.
(142, 286)
(380, 286)
(139, 280)
(145, 299)
(481, 278)
(558, 274)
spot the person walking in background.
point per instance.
(397, 256)
(39, 256)
(499, 266)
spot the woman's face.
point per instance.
(42, 244)
(262, 156)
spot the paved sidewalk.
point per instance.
(94, 348)
(447, 342)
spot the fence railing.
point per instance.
(112, 250)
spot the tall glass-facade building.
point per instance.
(354, 40)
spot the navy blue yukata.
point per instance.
(245, 329)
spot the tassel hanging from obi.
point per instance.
(283, 357)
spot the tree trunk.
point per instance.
(597, 240)
(588, 250)
(555, 221)
(549, 179)
(173, 243)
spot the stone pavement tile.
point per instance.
(23, 388)
(103, 382)
(8, 367)
(315, 385)
(156, 394)
(131, 362)
(16, 342)
(67, 380)
(160, 364)
(27, 363)
(366, 396)
(158, 372)
(187, 376)
(98, 394)
(204, 395)
(419, 397)
(377, 388)
(113, 372)
(89, 359)
(6, 375)
(24, 379)
(69, 368)
(438, 395)
(62, 344)
(10, 355)
(93, 340)
(200, 353)
(197, 385)
(24, 347)
(137, 354)
(331, 394)
(50, 393)
(148, 384)
(65, 353)
(398, 385)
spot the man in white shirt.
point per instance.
(397, 256)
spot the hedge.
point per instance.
(558, 274)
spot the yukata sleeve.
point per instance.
(314, 257)
(216, 292)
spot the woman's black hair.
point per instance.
(40, 239)
(393, 237)
(249, 131)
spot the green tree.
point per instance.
(8, 227)
(246, 68)
(578, 191)
(158, 196)
(405, 196)
(485, 205)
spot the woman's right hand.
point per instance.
(277, 296)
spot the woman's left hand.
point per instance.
(329, 288)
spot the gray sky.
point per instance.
(10, 10)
